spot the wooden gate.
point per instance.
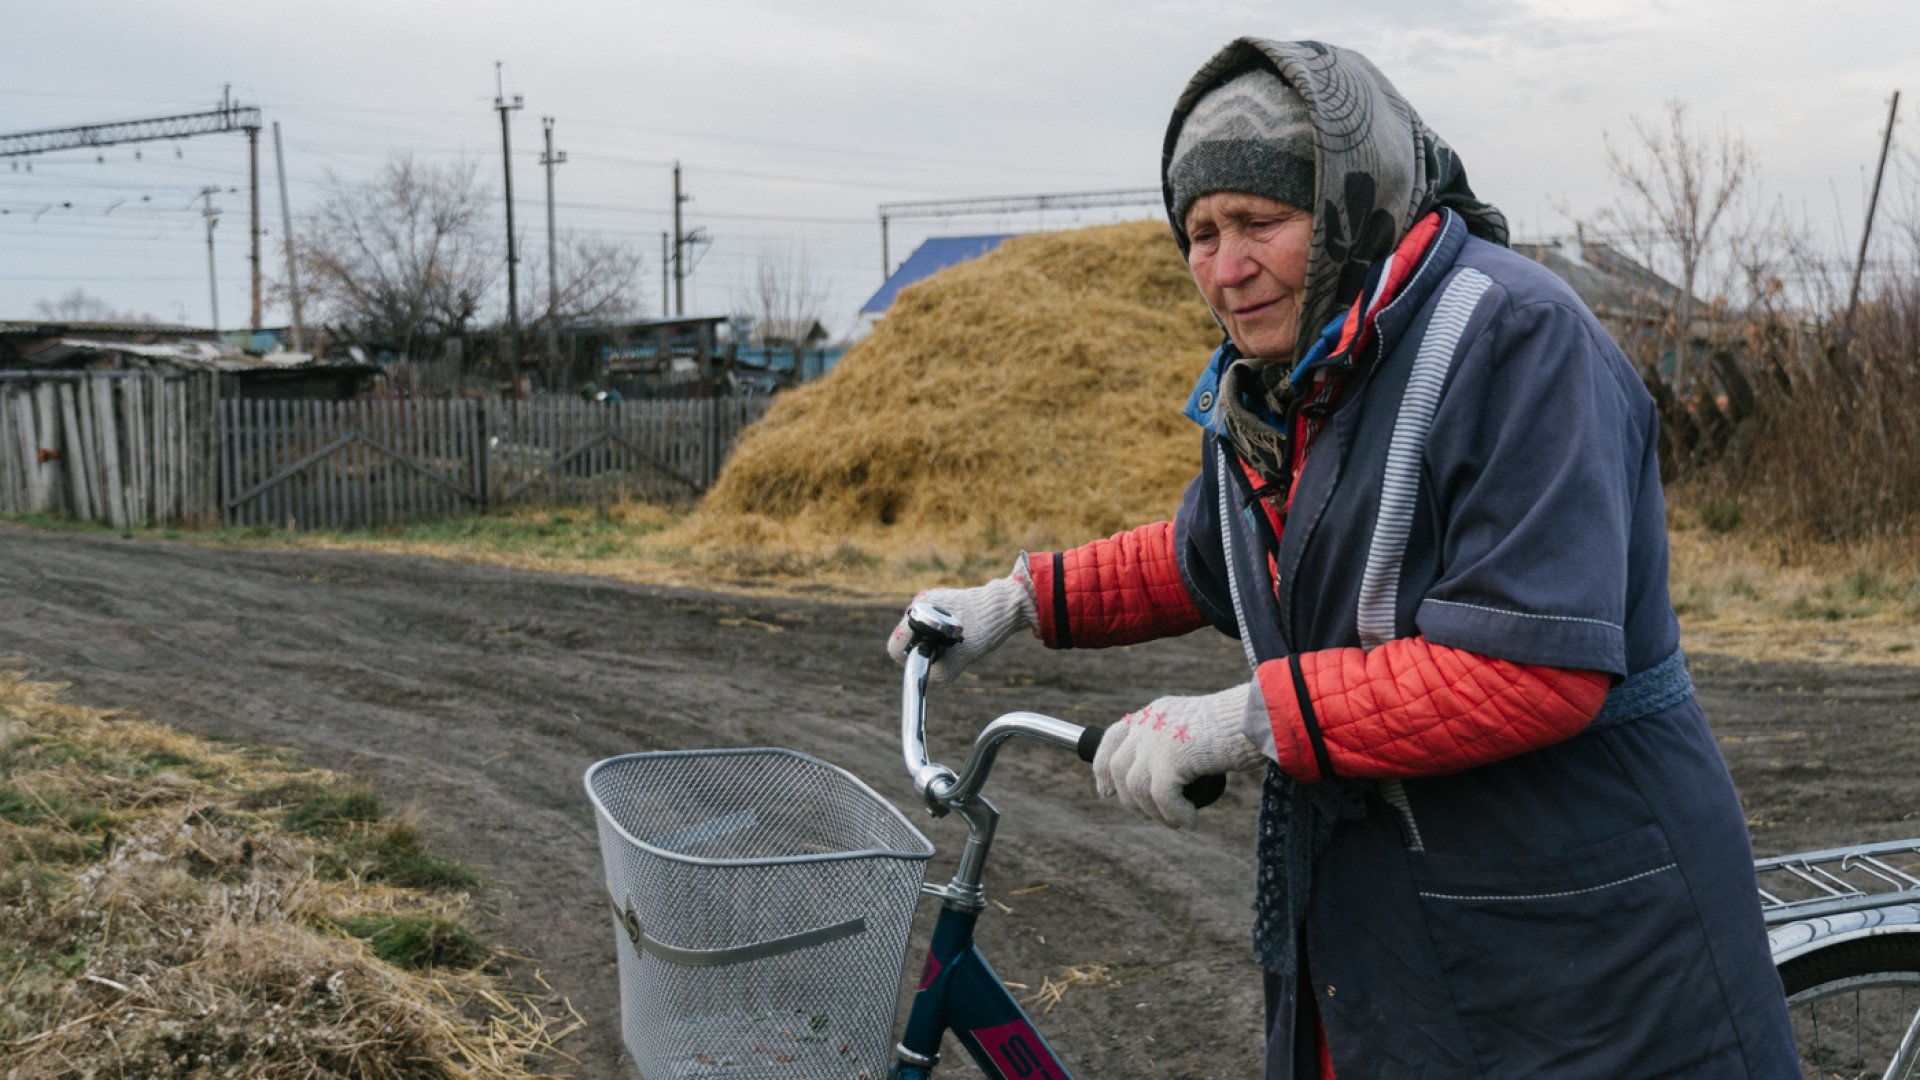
(564, 450)
(351, 464)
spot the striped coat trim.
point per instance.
(1400, 484)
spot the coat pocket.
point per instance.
(1587, 963)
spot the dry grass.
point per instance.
(158, 916)
(1765, 594)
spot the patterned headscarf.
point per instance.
(1380, 169)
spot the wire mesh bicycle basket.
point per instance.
(762, 901)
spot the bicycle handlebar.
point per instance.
(935, 631)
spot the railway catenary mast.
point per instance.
(230, 116)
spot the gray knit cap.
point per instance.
(1252, 133)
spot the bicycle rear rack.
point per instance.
(1815, 883)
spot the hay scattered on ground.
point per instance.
(172, 906)
(1027, 398)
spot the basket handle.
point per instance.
(629, 920)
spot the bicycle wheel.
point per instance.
(1856, 1008)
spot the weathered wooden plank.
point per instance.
(203, 404)
(107, 436)
(133, 401)
(365, 414)
(15, 483)
(256, 459)
(337, 478)
(172, 393)
(437, 460)
(312, 481)
(242, 413)
(49, 475)
(407, 445)
(73, 449)
(19, 474)
(253, 452)
(286, 451)
(348, 490)
(349, 467)
(382, 427)
(231, 423)
(157, 414)
(459, 452)
(261, 460)
(16, 479)
(253, 446)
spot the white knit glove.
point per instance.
(988, 614)
(1148, 756)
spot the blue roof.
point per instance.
(936, 253)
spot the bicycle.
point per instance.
(1844, 925)
(822, 884)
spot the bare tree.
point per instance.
(784, 298)
(600, 280)
(1680, 186)
(407, 257)
(79, 305)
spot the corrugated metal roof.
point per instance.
(934, 254)
(1609, 281)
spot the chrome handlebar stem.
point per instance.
(934, 630)
(932, 781)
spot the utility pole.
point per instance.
(286, 233)
(212, 214)
(679, 249)
(505, 108)
(1853, 297)
(666, 262)
(253, 219)
(550, 159)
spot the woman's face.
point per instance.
(1248, 255)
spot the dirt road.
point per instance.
(481, 694)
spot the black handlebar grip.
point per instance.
(1206, 791)
(1202, 793)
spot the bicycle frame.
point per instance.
(959, 992)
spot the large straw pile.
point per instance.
(1031, 397)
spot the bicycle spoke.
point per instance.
(1909, 1050)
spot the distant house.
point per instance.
(788, 333)
(55, 347)
(934, 254)
(778, 353)
(659, 358)
(1632, 301)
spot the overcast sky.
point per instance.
(793, 121)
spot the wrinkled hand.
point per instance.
(988, 615)
(1147, 757)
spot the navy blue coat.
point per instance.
(1587, 910)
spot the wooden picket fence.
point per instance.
(138, 448)
(123, 448)
(354, 464)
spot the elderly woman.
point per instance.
(1496, 837)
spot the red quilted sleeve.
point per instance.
(1118, 591)
(1413, 708)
